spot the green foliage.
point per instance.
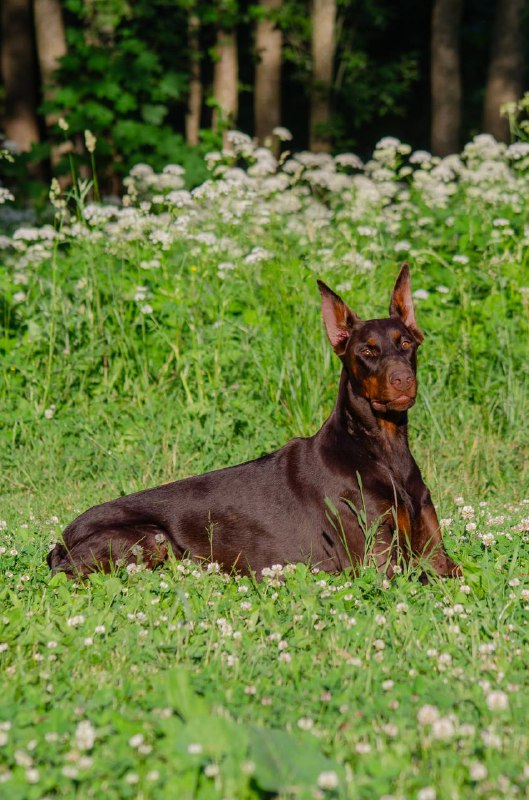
(125, 79)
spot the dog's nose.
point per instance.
(401, 379)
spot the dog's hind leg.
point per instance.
(102, 549)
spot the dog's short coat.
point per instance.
(278, 509)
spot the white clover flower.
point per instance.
(488, 539)
(63, 125)
(428, 793)
(137, 740)
(32, 775)
(85, 735)
(194, 749)
(23, 759)
(421, 294)
(74, 622)
(140, 293)
(427, 715)
(497, 701)
(305, 723)
(443, 728)
(363, 747)
(328, 780)
(211, 770)
(478, 771)
(4, 738)
(458, 259)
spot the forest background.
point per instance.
(158, 81)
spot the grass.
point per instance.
(188, 683)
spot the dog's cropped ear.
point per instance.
(338, 318)
(402, 303)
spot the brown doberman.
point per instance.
(350, 492)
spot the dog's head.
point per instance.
(380, 355)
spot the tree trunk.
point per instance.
(51, 46)
(267, 93)
(194, 106)
(51, 40)
(323, 47)
(225, 78)
(505, 78)
(445, 76)
(18, 71)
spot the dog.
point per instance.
(350, 493)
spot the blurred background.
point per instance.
(158, 81)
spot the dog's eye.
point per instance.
(405, 344)
(366, 351)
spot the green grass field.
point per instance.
(181, 333)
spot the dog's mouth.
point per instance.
(401, 403)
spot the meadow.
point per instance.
(175, 332)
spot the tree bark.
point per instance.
(323, 46)
(194, 105)
(267, 92)
(18, 71)
(51, 46)
(505, 77)
(446, 76)
(51, 40)
(225, 78)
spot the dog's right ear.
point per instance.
(338, 318)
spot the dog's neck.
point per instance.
(354, 417)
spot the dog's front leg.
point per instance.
(427, 542)
(384, 551)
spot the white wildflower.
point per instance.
(85, 735)
(427, 715)
(497, 701)
(328, 780)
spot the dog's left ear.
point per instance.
(402, 303)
